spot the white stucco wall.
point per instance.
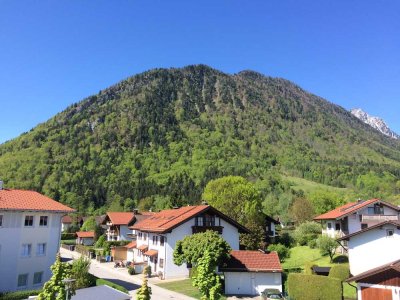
(85, 241)
(372, 249)
(13, 234)
(251, 283)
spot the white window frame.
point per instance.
(26, 253)
(33, 220)
(41, 278)
(26, 280)
(41, 246)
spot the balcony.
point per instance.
(112, 233)
(198, 229)
(379, 218)
(109, 223)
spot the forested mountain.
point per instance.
(157, 138)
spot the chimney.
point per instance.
(1, 184)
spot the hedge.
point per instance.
(19, 295)
(314, 287)
(117, 243)
(341, 272)
(68, 236)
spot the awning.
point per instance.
(143, 247)
(151, 253)
(131, 245)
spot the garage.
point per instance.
(369, 293)
(251, 272)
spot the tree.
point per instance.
(80, 272)
(55, 288)
(236, 197)
(254, 240)
(282, 250)
(327, 246)
(205, 251)
(307, 232)
(301, 210)
(89, 225)
(144, 293)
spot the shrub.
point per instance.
(327, 246)
(117, 243)
(20, 295)
(286, 239)
(68, 242)
(312, 244)
(341, 272)
(80, 272)
(67, 236)
(131, 271)
(306, 232)
(147, 271)
(283, 252)
(318, 287)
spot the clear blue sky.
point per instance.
(54, 53)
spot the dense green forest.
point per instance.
(156, 139)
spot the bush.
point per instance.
(341, 272)
(67, 236)
(131, 271)
(318, 287)
(286, 239)
(306, 232)
(283, 252)
(80, 272)
(147, 271)
(68, 242)
(117, 243)
(312, 244)
(20, 295)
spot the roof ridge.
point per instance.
(169, 220)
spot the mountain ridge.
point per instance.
(161, 135)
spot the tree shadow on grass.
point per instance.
(341, 259)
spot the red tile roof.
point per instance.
(30, 200)
(85, 234)
(166, 220)
(66, 220)
(131, 245)
(350, 208)
(121, 218)
(151, 253)
(252, 261)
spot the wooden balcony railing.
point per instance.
(379, 218)
(197, 229)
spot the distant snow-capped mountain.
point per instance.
(374, 122)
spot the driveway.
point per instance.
(121, 277)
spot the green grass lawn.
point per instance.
(100, 281)
(308, 186)
(184, 287)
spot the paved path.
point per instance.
(121, 277)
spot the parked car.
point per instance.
(272, 294)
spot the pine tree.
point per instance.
(55, 288)
(144, 293)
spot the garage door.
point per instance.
(375, 294)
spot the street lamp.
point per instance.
(68, 285)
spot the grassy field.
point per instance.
(308, 186)
(100, 281)
(184, 287)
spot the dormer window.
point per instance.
(205, 220)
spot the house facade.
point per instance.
(355, 216)
(30, 229)
(373, 246)
(251, 272)
(157, 235)
(85, 238)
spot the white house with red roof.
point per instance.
(355, 216)
(251, 272)
(158, 234)
(85, 238)
(30, 229)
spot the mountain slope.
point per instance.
(375, 122)
(163, 134)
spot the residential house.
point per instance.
(355, 216)
(30, 229)
(69, 220)
(373, 246)
(117, 225)
(158, 234)
(85, 238)
(382, 282)
(251, 272)
(270, 228)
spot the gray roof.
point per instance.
(100, 292)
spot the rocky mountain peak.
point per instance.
(375, 122)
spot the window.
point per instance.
(37, 277)
(389, 233)
(1, 220)
(199, 221)
(43, 221)
(22, 280)
(337, 226)
(155, 240)
(161, 264)
(26, 250)
(144, 236)
(28, 221)
(364, 225)
(41, 249)
(209, 220)
(162, 240)
(329, 225)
